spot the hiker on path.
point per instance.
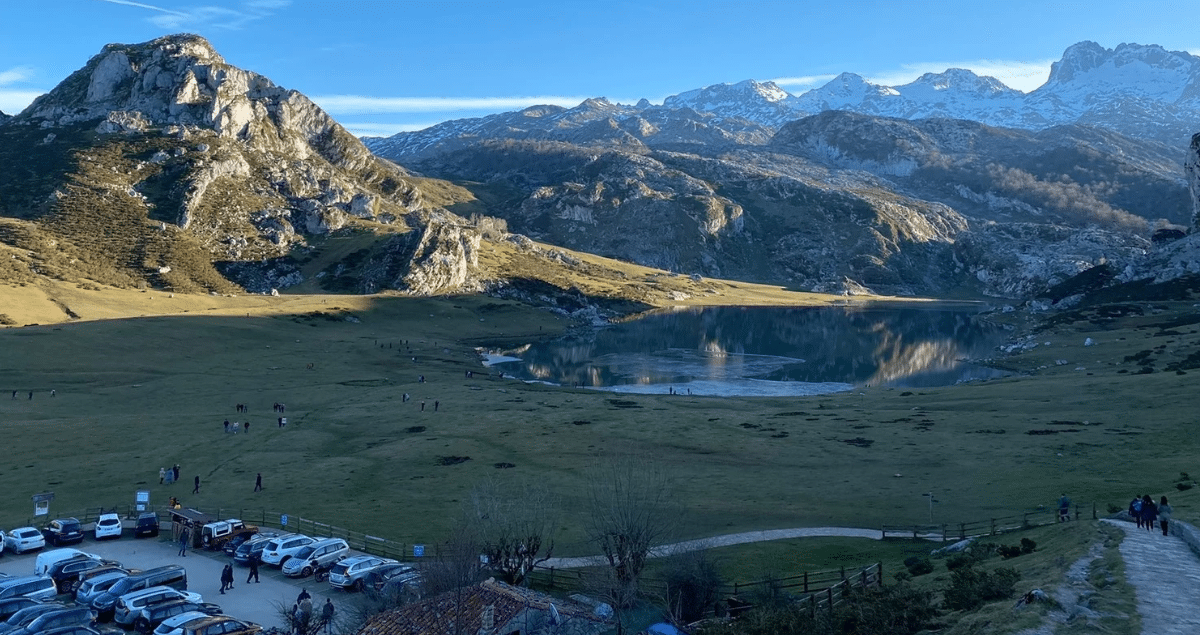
(327, 615)
(1149, 512)
(162, 474)
(435, 405)
(1164, 514)
(227, 426)
(183, 540)
(258, 482)
(253, 570)
(226, 578)
(246, 427)
(422, 405)
(1064, 509)
(175, 469)
(196, 488)
(1135, 510)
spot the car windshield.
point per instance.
(29, 533)
(304, 553)
(339, 569)
(109, 521)
(70, 525)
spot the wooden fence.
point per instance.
(990, 527)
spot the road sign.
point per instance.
(283, 520)
(418, 551)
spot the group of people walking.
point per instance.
(1145, 512)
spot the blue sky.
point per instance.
(384, 67)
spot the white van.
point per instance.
(46, 559)
(34, 587)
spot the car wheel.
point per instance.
(305, 572)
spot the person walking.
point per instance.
(226, 578)
(183, 541)
(1164, 514)
(258, 482)
(1064, 509)
(196, 487)
(1135, 510)
(1149, 512)
(162, 474)
(327, 615)
(175, 469)
(246, 427)
(253, 570)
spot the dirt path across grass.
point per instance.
(1166, 576)
(728, 540)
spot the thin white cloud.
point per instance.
(1021, 75)
(199, 17)
(361, 105)
(372, 129)
(14, 101)
(804, 80)
(15, 74)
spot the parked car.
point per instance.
(28, 614)
(63, 531)
(394, 578)
(78, 629)
(215, 535)
(171, 575)
(46, 559)
(72, 616)
(147, 525)
(8, 606)
(278, 550)
(3, 541)
(151, 615)
(251, 549)
(102, 570)
(37, 587)
(322, 553)
(65, 573)
(231, 545)
(94, 586)
(23, 539)
(108, 526)
(350, 573)
(201, 624)
(129, 605)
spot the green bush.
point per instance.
(959, 560)
(1008, 551)
(971, 588)
(918, 565)
(1028, 546)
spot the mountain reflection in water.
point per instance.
(766, 351)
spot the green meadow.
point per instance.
(133, 395)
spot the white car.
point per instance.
(3, 542)
(108, 526)
(278, 550)
(24, 539)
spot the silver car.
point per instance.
(349, 573)
(92, 587)
(278, 550)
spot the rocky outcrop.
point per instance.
(1191, 167)
(444, 259)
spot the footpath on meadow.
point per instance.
(726, 541)
(1165, 573)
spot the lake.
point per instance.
(765, 351)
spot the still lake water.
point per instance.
(765, 351)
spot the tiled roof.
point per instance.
(436, 615)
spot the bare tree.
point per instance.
(516, 520)
(631, 510)
(454, 566)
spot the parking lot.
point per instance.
(252, 602)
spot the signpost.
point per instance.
(41, 503)
(141, 500)
(418, 551)
(283, 520)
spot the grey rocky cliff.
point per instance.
(1191, 167)
(248, 131)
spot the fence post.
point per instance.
(863, 576)
(829, 595)
(914, 532)
(1025, 520)
(962, 531)
(813, 600)
(993, 527)
(1093, 511)
(806, 582)
(843, 573)
(943, 532)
